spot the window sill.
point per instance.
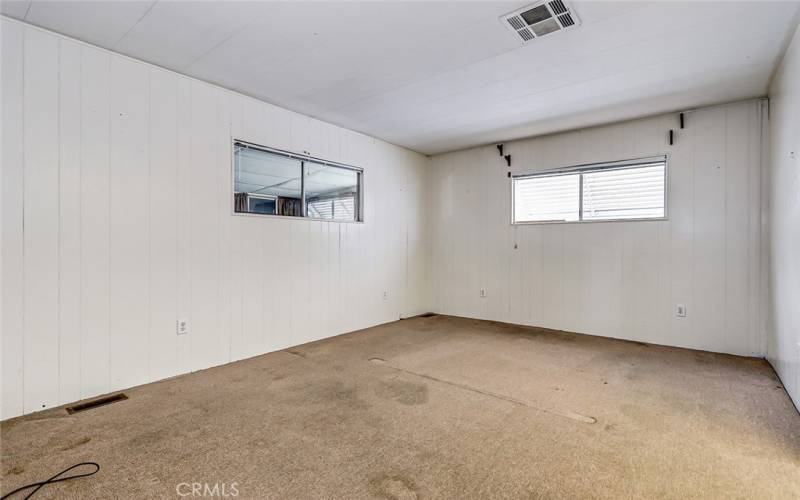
(289, 217)
(548, 223)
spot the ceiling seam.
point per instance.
(114, 47)
(217, 45)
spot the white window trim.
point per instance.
(299, 156)
(259, 197)
(591, 167)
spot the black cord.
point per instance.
(54, 479)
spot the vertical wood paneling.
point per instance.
(781, 197)
(758, 241)
(737, 231)
(618, 279)
(237, 341)
(316, 280)
(203, 251)
(709, 264)
(13, 259)
(163, 212)
(517, 299)
(235, 265)
(95, 132)
(333, 298)
(575, 270)
(639, 299)
(497, 235)
(280, 273)
(226, 109)
(300, 282)
(351, 283)
(129, 209)
(680, 246)
(183, 263)
(69, 314)
(123, 173)
(534, 274)
(267, 260)
(41, 219)
(552, 294)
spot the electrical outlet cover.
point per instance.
(182, 326)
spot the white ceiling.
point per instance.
(440, 76)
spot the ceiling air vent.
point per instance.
(540, 19)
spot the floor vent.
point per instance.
(428, 315)
(88, 405)
(540, 19)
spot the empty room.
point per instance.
(400, 249)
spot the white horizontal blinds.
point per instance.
(624, 193)
(632, 189)
(320, 209)
(336, 209)
(551, 198)
(344, 208)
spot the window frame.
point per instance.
(588, 168)
(302, 157)
(260, 197)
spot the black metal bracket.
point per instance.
(509, 174)
(500, 149)
(508, 159)
(681, 120)
(671, 137)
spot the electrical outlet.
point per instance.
(680, 310)
(483, 292)
(182, 326)
(385, 295)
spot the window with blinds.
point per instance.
(334, 208)
(272, 182)
(626, 190)
(547, 198)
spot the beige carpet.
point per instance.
(435, 407)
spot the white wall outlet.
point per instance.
(182, 326)
(483, 292)
(680, 310)
(385, 295)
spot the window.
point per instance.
(331, 192)
(261, 204)
(626, 190)
(272, 182)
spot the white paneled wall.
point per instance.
(784, 195)
(615, 279)
(116, 221)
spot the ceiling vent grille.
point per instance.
(516, 23)
(566, 20)
(540, 19)
(558, 7)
